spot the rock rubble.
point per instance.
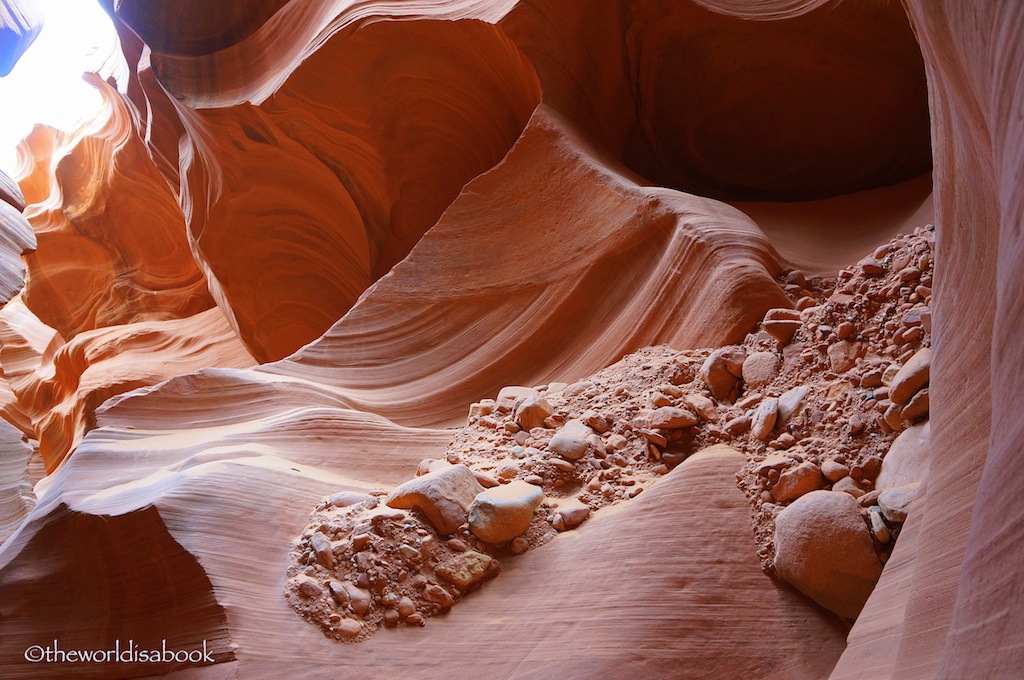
(814, 397)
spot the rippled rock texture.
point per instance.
(306, 236)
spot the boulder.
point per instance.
(834, 470)
(797, 481)
(348, 593)
(823, 547)
(572, 514)
(323, 549)
(504, 512)
(672, 418)
(444, 496)
(508, 396)
(468, 569)
(760, 368)
(532, 411)
(907, 459)
(576, 428)
(773, 461)
(702, 405)
(849, 485)
(914, 375)
(780, 328)
(595, 421)
(789, 405)
(568, 446)
(343, 499)
(721, 370)
(428, 465)
(895, 502)
(764, 418)
(843, 355)
(917, 407)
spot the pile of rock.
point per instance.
(362, 564)
(814, 397)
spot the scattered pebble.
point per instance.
(764, 418)
(798, 481)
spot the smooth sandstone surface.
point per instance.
(950, 610)
(527, 191)
(463, 272)
(665, 607)
(57, 386)
(16, 494)
(111, 242)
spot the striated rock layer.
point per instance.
(16, 497)
(398, 218)
(952, 608)
(507, 289)
(112, 248)
(16, 235)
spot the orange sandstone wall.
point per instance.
(952, 609)
(399, 217)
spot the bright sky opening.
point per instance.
(46, 85)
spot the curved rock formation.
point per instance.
(55, 386)
(112, 248)
(99, 364)
(16, 238)
(951, 608)
(197, 55)
(656, 608)
(507, 289)
(296, 206)
(405, 216)
(16, 496)
(827, 102)
(10, 192)
(95, 584)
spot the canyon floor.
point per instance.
(519, 339)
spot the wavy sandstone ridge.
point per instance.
(506, 287)
(115, 299)
(952, 609)
(111, 243)
(398, 218)
(296, 206)
(16, 497)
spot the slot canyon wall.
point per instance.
(305, 238)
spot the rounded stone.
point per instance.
(504, 512)
(908, 458)
(349, 627)
(823, 547)
(568, 446)
(760, 368)
(895, 502)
